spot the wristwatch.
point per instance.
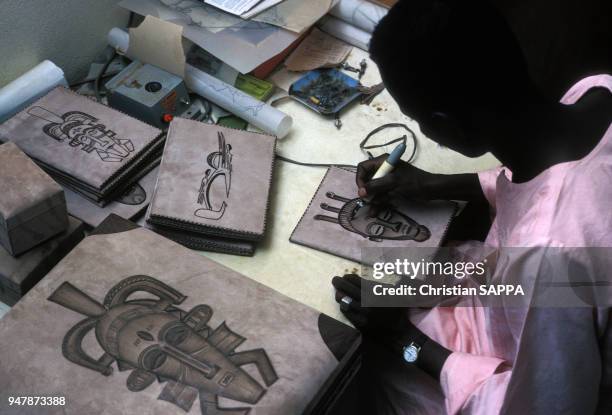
(411, 351)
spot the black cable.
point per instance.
(131, 19)
(85, 81)
(99, 77)
(364, 147)
(301, 163)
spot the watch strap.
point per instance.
(420, 339)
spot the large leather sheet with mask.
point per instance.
(214, 180)
(329, 225)
(175, 333)
(86, 145)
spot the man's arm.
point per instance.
(414, 183)
(390, 326)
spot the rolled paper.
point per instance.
(362, 14)
(119, 39)
(30, 86)
(346, 32)
(260, 114)
(257, 113)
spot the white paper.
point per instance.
(243, 46)
(243, 8)
(199, 14)
(346, 32)
(295, 15)
(262, 6)
(236, 7)
(30, 86)
(362, 14)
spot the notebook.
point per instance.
(85, 145)
(129, 205)
(133, 323)
(332, 224)
(201, 242)
(214, 180)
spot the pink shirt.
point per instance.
(567, 205)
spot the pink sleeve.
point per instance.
(488, 183)
(474, 384)
(583, 86)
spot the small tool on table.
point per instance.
(363, 65)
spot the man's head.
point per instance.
(452, 65)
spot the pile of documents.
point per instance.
(243, 8)
(255, 36)
(245, 45)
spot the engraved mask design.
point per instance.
(220, 171)
(388, 224)
(83, 130)
(159, 342)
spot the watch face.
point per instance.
(411, 353)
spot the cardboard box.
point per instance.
(32, 205)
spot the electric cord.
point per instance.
(87, 80)
(100, 75)
(364, 147)
(403, 139)
(326, 165)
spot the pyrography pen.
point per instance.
(386, 168)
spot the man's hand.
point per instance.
(416, 184)
(388, 322)
(390, 327)
(405, 179)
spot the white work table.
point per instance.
(303, 273)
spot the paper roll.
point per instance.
(359, 13)
(119, 39)
(346, 32)
(260, 114)
(28, 87)
(257, 113)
